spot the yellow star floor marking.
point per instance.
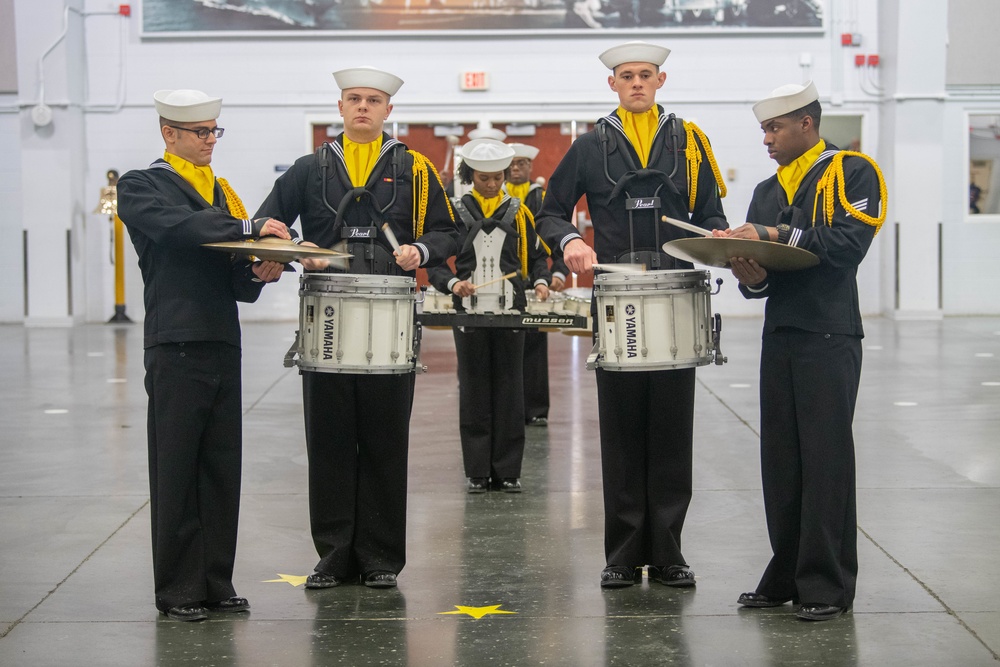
(293, 579)
(477, 612)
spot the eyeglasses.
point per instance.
(203, 132)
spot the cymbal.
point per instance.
(718, 250)
(273, 249)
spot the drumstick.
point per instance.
(496, 280)
(391, 235)
(686, 226)
(620, 268)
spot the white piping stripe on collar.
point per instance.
(613, 118)
(386, 146)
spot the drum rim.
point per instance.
(650, 277)
(659, 366)
(358, 279)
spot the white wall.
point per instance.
(272, 86)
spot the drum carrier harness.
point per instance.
(505, 223)
(677, 185)
(369, 256)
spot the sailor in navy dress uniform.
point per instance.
(499, 256)
(638, 164)
(830, 202)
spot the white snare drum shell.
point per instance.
(653, 321)
(359, 324)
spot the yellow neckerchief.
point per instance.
(640, 128)
(201, 178)
(790, 176)
(361, 159)
(519, 190)
(488, 206)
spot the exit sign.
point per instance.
(475, 81)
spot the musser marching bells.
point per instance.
(718, 250)
(274, 249)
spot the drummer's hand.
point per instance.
(746, 231)
(408, 257)
(747, 271)
(579, 257)
(463, 288)
(542, 292)
(313, 263)
(268, 272)
(275, 228)
(557, 284)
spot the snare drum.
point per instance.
(655, 320)
(356, 323)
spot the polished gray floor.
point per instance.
(75, 570)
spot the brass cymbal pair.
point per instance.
(273, 249)
(718, 251)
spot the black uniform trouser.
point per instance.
(194, 431)
(357, 438)
(647, 422)
(808, 389)
(536, 374)
(491, 401)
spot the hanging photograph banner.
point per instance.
(204, 18)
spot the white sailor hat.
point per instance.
(634, 52)
(186, 106)
(487, 155)
(368, 77)
(524, 150)
(785, 99)
(485, 130)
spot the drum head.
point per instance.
(718, 251)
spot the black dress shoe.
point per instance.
(678, 576)
(509, 485)
(187, 612)
(477, 484)
(232, 605)
(760, 600)
(620, 576)
(812, 611)
(322, 580)
(380, 579)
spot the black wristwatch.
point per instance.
(784, 231)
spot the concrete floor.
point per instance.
(75, 567)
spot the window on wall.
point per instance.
(843, 131)
(984, 164)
